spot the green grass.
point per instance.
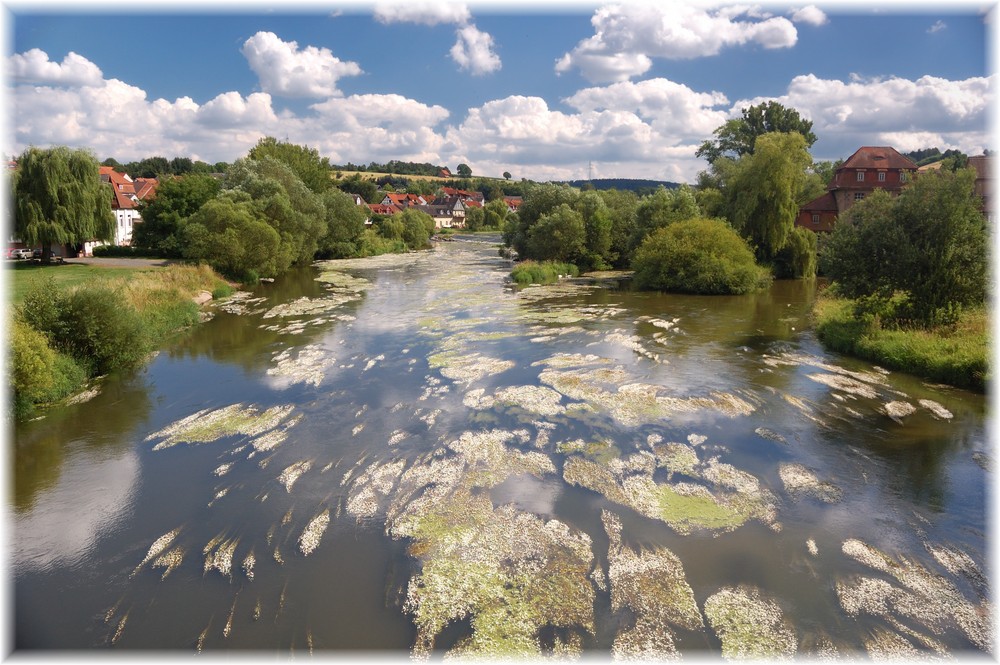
(66, 275)
(546, 272)
(957, 355)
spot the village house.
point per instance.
(868, 169)
(403, 201)
(448, 212)
(124, 204)
(513, 203)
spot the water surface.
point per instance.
(382, 440)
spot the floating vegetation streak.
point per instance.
(409, 453)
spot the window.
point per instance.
(816, 218)
(903, 176)
(881, 176)
(861, 176)
(858, 196)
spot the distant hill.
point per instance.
(624, 184)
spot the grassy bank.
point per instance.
(68, 326)
(545, 272)
(957, 355)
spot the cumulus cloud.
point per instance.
(812, 15)
(423, 13)
(891, 111)
(284, 69)
(34, 66)
(473, 51)
(627, 36)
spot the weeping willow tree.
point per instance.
(58, 198)
(762, 191)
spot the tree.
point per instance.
(58, 198)
(661, 209)
(506, 175)
(366, 189)
(927, 248)
(304, 161)
(226, 233)
(797, 259)
(737, 137)
(560, 235)
(418, 227)
(702, 256)
(345, 222)
(762, 191)
(464, 171)
(495, 214)
(163, 217)
(282, 200)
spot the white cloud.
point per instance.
(284, 69)
(812, 15)
(423, 13)
(937, 27)
(891, 111)
(473, 51)
(34, 66)
(627, 36)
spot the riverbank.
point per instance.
(957, 355)
(70, 324)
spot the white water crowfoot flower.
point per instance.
(750, 626)
(921, 597)
(309, 540)
(158, 546)
(652, 585)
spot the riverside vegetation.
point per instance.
(61, 338)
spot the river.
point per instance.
(407, 455)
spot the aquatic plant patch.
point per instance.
(650, 584)
(210, 425)
(919, 597)
(750, 626)
(799, 480)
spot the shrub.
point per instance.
(533, 272)
(703, 256)
(38, 374)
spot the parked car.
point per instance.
(19, 253)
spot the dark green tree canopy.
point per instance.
(736, 137)
(176, 199)
(464, 171)
(58, 197)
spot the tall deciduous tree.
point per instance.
(762, 191)
(929, 244)
(738, 136)
(58, 197)
(162, 218)
(313, 170)
(464, 171)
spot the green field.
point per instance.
(21, 274)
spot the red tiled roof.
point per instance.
(380, 209)
(145, 188)
(878, 157)
(824, 203)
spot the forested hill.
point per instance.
(624, 183)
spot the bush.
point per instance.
(94, 325)
(533, 272)
(703, 256)
(38, 374)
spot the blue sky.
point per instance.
(540, 90)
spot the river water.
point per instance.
(408, 455)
